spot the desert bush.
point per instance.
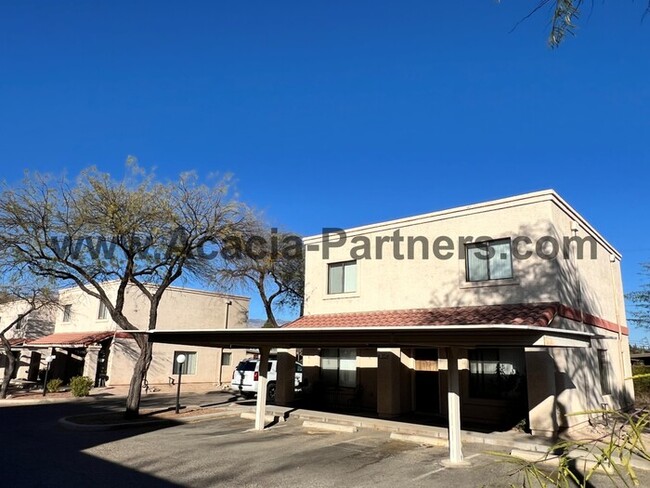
(53, 385)
(641, 377)
(80, 386)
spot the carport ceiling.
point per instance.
(398, 336)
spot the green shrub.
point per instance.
(641, 382)
(53, 385)
(80, 386)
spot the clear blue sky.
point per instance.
(340, 113)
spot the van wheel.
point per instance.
(270, 392)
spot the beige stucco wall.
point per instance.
(390, 284)
(37, 324)
(592, 285)
(179, 308)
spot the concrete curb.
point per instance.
(10, 402)
(68, 424)
(420, 439)
(348, 429)
(586, 463)
(268, 418)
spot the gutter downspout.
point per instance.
(228, 304)
(612, 260)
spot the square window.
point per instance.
(226, 359)
(489, 260)
(342, 277)
(188, 366)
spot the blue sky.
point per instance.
(340, 113)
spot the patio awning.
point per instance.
(71, 339)
(491, 325)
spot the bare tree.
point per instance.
(564, 15)
(270, 262)
(27, 297)
(640, 315)
(136, 232)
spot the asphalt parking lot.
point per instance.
(225, 452)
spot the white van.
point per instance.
(246, 376)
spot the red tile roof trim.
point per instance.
(534, 314)
(573, 314)
(72, 338)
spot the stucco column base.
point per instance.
(90, 361)
(540, 379)
(448, 463)
(548, 434)
(286, 377)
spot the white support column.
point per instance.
(260, 405)
(453, 409)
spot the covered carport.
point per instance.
(449, 337)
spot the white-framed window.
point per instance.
(102, 313)
(342, 277)
(603, 369)
(226, 359)
(189, 366)
(67, 313)
(339, 367)
(488, 260)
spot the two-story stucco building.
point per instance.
(526, 260)
(502, 313)
(85, 340)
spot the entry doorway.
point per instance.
(34, 366)
(427, 381)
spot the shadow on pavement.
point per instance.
(37, 451)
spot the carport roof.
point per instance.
(492, 335)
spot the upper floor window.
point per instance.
(342, 277)
(488, 260)
(103, 311)
(67, 313)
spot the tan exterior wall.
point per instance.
(393, 284)
(179, 309)
(593, 285)
(37, 324)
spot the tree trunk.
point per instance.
(270, 316)
(11, 365)
(135, 388)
